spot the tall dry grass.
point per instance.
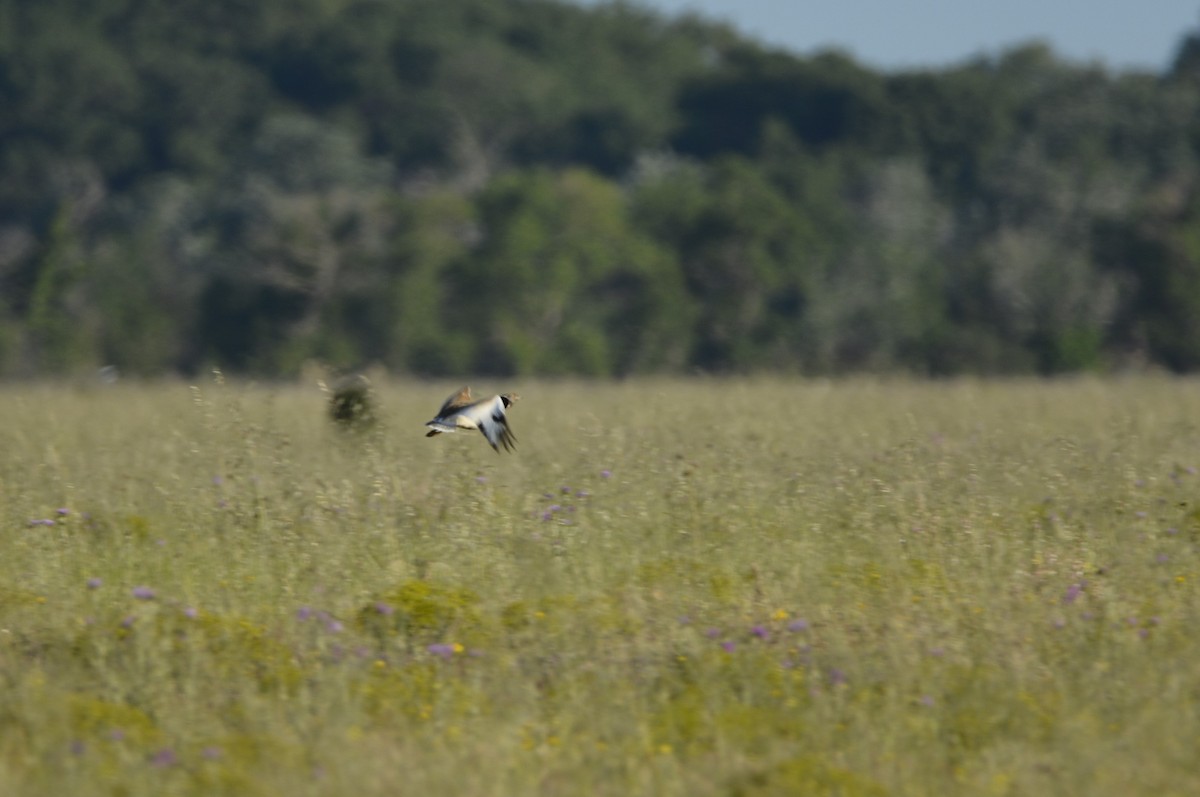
(672, 588)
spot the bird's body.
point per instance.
(487, 415)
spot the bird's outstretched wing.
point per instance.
(457, 401)
(489, 417)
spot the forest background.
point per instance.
(531, 187)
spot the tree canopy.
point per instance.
(535, 187)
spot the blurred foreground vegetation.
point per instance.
(532, 187)
(673, 588)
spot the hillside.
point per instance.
(532, 187)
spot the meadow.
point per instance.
(700, 587)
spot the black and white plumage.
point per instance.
(487, 415)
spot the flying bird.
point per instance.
(486, 415)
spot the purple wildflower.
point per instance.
(143, 593)
(606, 474)
(1072, 593)
(63, 511)
(441, 649)
(547, 516)
(211, 753)
(334, 627)
(565, 490)
(728, 647)
(481, 479)
(1162, 558)
(554, 508)
(836, 677)
(164, 758)
(712, 633)
(798, 625)
(191, 613)
(303, 613)
(384, 608)
(77, 747)
(128, 621)
(94, 583)
(759, 631)
(582, 493)
(926, 700)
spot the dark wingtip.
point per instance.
(490, 443)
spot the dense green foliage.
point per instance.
(532, 187)
(906, 589)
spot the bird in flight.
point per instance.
(486, 415)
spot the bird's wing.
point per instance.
(456, 402)
(488, 415)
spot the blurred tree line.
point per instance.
(532, 187)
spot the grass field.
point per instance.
(671, 588)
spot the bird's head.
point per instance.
(509, 399)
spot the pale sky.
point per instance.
(901, 34)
